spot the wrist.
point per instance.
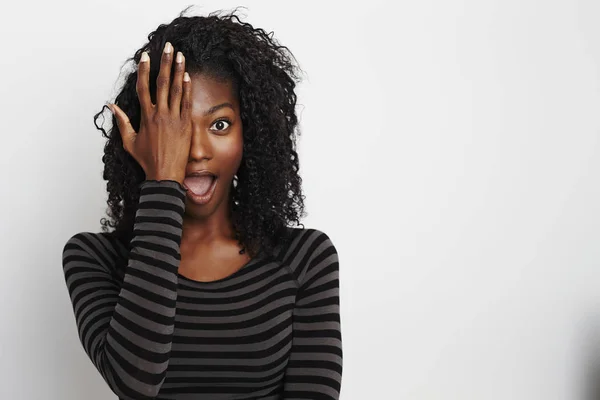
(165, 177)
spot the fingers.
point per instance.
(163, 79)
(186, 98)
(142, 85)
(177, 85)
(125, 129)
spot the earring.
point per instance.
(235, 184)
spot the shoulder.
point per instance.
(93, 248)
(93, 242)
(305, 238)
(307, 251)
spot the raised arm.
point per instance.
(126, 330)
(315, 366)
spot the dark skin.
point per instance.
(209, 250)
(194, 125)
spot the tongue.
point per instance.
(199, 185)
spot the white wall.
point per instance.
(451, 149)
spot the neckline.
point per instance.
(229, 277)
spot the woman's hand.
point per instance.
(162, 145)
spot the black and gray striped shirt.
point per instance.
(269, 331)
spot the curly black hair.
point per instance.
(267, 195)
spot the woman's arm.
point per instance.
(314, 370)
(127, 330)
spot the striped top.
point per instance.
(269, 331)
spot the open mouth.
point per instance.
(199, 185)
(200, 188)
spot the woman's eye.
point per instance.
(220, 125)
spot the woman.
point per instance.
(202, 290)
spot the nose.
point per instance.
(200, 146)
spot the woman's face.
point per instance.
(217, 140)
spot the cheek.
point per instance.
(230, 151)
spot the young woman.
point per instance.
(203, 290)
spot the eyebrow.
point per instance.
(218, 107)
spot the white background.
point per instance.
(450, 149)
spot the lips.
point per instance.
(200, 189)
(201, 173)
(200, 185)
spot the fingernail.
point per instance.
(144, 57)
(168, 47)
(179, 57)
(186, 77)
(110, 108)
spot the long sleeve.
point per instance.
(314, 370)
(127, 329)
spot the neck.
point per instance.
(216, 227)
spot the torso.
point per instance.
(232, 337)
(233, 322)
(206, 265)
